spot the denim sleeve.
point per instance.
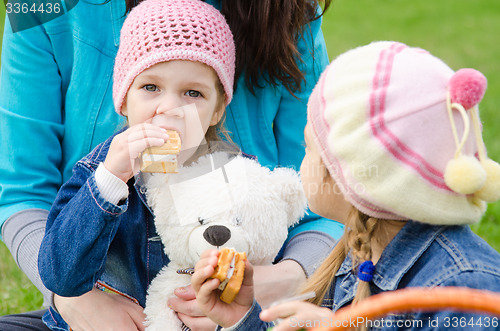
(249, 322)
(31, 122)
(79, 231)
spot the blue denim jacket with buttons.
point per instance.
(90, 242)
(420, 255)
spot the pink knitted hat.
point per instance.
(163, 30)
(381, 118)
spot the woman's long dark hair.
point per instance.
(266, 34)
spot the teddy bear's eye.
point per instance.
(201, 220)
(237, 221)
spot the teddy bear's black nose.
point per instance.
(217, 235)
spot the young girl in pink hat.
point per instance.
(174, 71)
(394, 151)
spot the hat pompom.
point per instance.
(467, 87)
(490, 192)
(464, 174)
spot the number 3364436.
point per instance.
(25, 8)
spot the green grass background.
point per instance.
(464, 33)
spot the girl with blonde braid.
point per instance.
(394, 151)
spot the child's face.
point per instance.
(177, 95)
(323, 194)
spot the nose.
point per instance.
(217, 235)
(171, 107)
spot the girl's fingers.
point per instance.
(209, 252)
(136, 147)
(210, 256)
(145, 130)
(290, 324)
(283, 310)
(204, 295)
(200, 276)
(248, 275)
(295, 311)
(185, 293)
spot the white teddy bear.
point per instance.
(222, 200)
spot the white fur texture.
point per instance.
(255, 204)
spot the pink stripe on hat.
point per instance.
(404, 154)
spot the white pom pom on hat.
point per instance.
(490, 192)
(465, 174)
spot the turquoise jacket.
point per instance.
(56, 103)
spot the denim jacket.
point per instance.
(113, 247)
(420, 255)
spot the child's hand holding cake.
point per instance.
(127, 146)
(162, 159)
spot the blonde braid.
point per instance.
(359, 239)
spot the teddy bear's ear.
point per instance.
(290, 189)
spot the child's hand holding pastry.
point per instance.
(126, 147)
(208, 295)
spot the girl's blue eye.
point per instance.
(150, 87)
(193, 93)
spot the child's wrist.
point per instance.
(233, 324)
(112, 188)
(124, 177)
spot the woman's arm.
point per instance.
(22, 233)
(31, 126)
(31, 118)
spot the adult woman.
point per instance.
(56, 85)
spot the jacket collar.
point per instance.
(398, 257)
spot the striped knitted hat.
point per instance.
(163, 30)
(380, 116)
